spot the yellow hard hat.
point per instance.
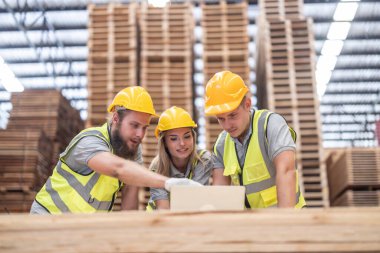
(133, 98)
(224, 92)
(174, 117)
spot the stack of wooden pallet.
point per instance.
(354, 177)
(166, 62)
(286, 85)
(97, 74)
(25, 158)
(225, 47)
(47, 110)
(112, 56)
(38, 130)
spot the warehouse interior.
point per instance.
(316, 62)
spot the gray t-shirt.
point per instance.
(201, 174)
(279, 140)
(85, 149)
(78, 157)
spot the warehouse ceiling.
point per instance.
(44, 43)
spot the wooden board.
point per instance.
(319, 230)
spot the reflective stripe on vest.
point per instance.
(68, 191)
(259, 173)
(84, 190)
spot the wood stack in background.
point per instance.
(49, 110)
(112, 59)
(378, 132)
(166, 65)
(225, 47)
(25, 158)
(354, 177)
(286, 85)
(112, 56)
(39, 129)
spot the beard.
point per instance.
(120, 147)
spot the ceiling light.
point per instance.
(158, 3)
(338, 30)
(12, 84)
(345, 11)
(332, 47)
(8, 79)
(326, 62)
(322, 78)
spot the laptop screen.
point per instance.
(207, 198)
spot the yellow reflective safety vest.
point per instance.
(259, 173)
(152, 205)
(68, 191)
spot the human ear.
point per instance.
(248, 103)
(115, 117)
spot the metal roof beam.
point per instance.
(38, 28)
(79, 74)
(48, 8)
(55, 60)
(43, 45)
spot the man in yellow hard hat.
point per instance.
(255, 149)
(99, 160)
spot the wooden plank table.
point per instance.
(275, 230)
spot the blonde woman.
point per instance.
(178, 155)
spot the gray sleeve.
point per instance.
(83, 151)
(139, 157)
(218, 155)
(157, 193)
(279, 137)
(202, 171)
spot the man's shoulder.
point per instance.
(220, 141)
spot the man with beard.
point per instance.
(100, 160)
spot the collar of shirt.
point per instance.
(174, 172)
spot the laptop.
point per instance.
(207, 198)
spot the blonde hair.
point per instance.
(161, 163)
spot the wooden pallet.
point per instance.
(355, 169)
(358, 198)
(26, 163)
(112, 67)
(286, 85)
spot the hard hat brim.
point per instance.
(111, 108)
(223, 108)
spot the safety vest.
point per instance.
(68, 191)
(152, 205)
(259, 173)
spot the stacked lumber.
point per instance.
(225, 47)
(166, 65)
(39, 129)
(280, 230)
(112, 56)
(358, 198)
(286, 85)
(354, 177)
(279, 9)
(166, 55)
(59, 120)
(25, 158)
(378, 132)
